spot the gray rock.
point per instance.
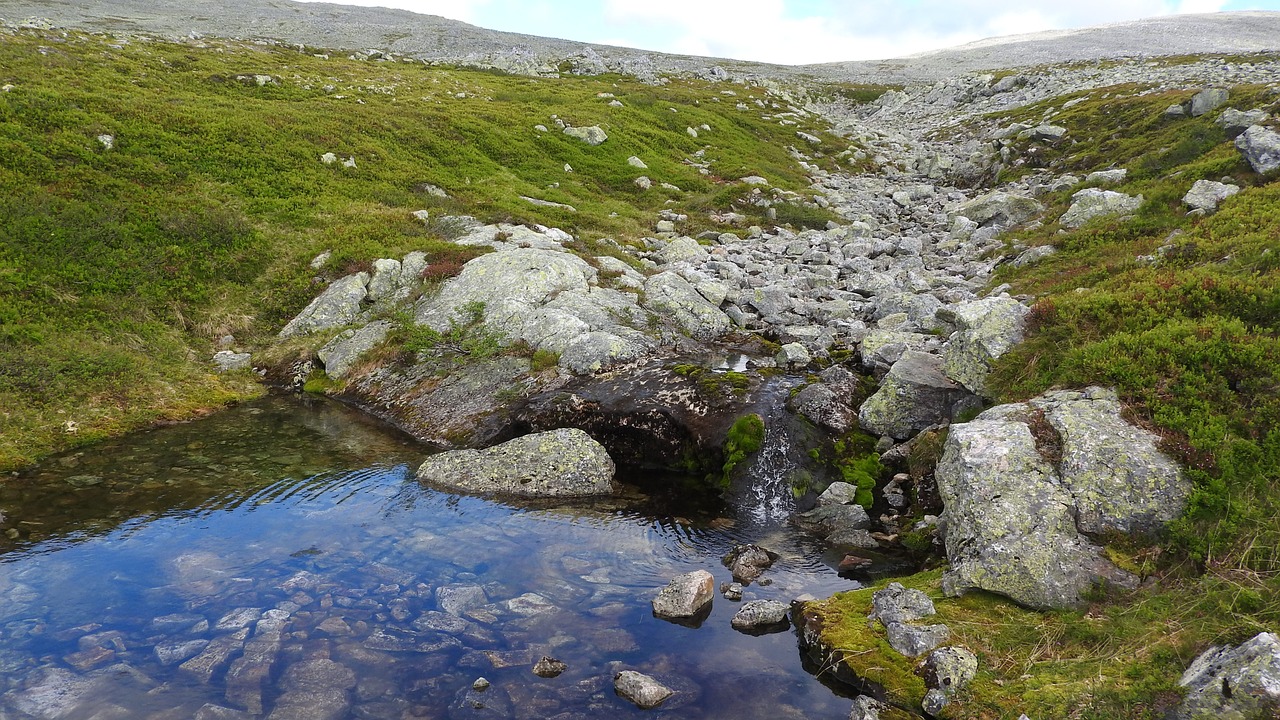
(898, 604)
(1234, 121)
(1031, 256)
(866, 707)
(1048, 133)
(1206, 194)
(1118, 478)
(1208, 100)
(914, 640)
(1175, 112)
(315, 690)
(1009, 523)
(636, 162)
(672, 297)
(593, 351)
(560, 463)
(880, 349)
(340, 354)
(685, 597)
(385, 282)
(1240, 682)
(592, 135)
(641, 690)
(549, 667)
(1261, 148)
(1092, 203)
(949, 669)
(934, 702)
(1107, 177)
(915, 395)
(822, 406)
(338, 305)
(228, 361)
(759, 616)
(838, 493)
(748, 562)
(682, 249)
(176, 651)
(840, 525)
(459, 598)
(793, 355)
(985, 330)
(999, 209)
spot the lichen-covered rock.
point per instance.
(986, 330)
(1092, 203)
(641, 690)
(682, 249)
(672, 297)
(685, 597)
(822, 405)
(1235, 121)
(949, 669)
(1117, 477)
(229, 361)
(916, 394)
(1009, 524)
(839, 525)
(1206, 194)
(385, 282)
(838, 493)
(761, 616)
(342, 352)
(898, 604)
(1208, 100)
(915, 640)
(591, 135)
(1233, 683)
(338, 305)
(999, 209)
(880, 349)
(559, 463)
(793, 355)
(1261, 147)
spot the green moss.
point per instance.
(319, 383)
(544, 360)
(744, 438)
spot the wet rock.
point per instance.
(1261, 148)
(1092, 203)
(839, 525)
(315, 690)
(342, 352)
(480, 685)
(914, 640)
(915, 395)
(559, 463)
(52, 693)
(1239, 682)
(686, 597)
(338, 305)
(89, 658)
(823, 406)
(1206, 194)
(238, 618)
(985, 330)
(898, 604)
(209, 711)
(761, 616)
(748, 562)
(247, 678)
(641, 690)
(731, 591)
(458, 599)
(549, 668)
(170, 653)
(214, 656)
(839, 493)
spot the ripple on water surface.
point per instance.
(279, 559)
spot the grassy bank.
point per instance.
(121, 267)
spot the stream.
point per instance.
(280, 560)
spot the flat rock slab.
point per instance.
(559, 463)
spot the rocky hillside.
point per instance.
(1035, 311)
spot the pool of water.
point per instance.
(280, 560)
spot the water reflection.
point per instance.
(280, 561)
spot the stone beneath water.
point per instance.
(558, 463)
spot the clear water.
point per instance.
(280, 560)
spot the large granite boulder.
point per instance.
(340, 354)
(1241, 682)
(1092, 203)
(986, 330)
(559, 463)
(672, 297)
(916, 394)
(999, 209)
(1261, 147)
(1235, 121)
(338, 305)
(1022, 483)
(1206, 194)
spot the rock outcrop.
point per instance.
(556, 464)
(1021, 485)
(1233, 682)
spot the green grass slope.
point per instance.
(119, 268)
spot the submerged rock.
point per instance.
(558, 463)
(1240, 682)
(642, 690)
(686, 597)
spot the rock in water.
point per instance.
(640, 689)
(748, 562)
(1240, 682)
(1261, 147)
(549, 668)
(559, 463)
(685, 597)
(761, 616)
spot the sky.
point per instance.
(797, 32)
